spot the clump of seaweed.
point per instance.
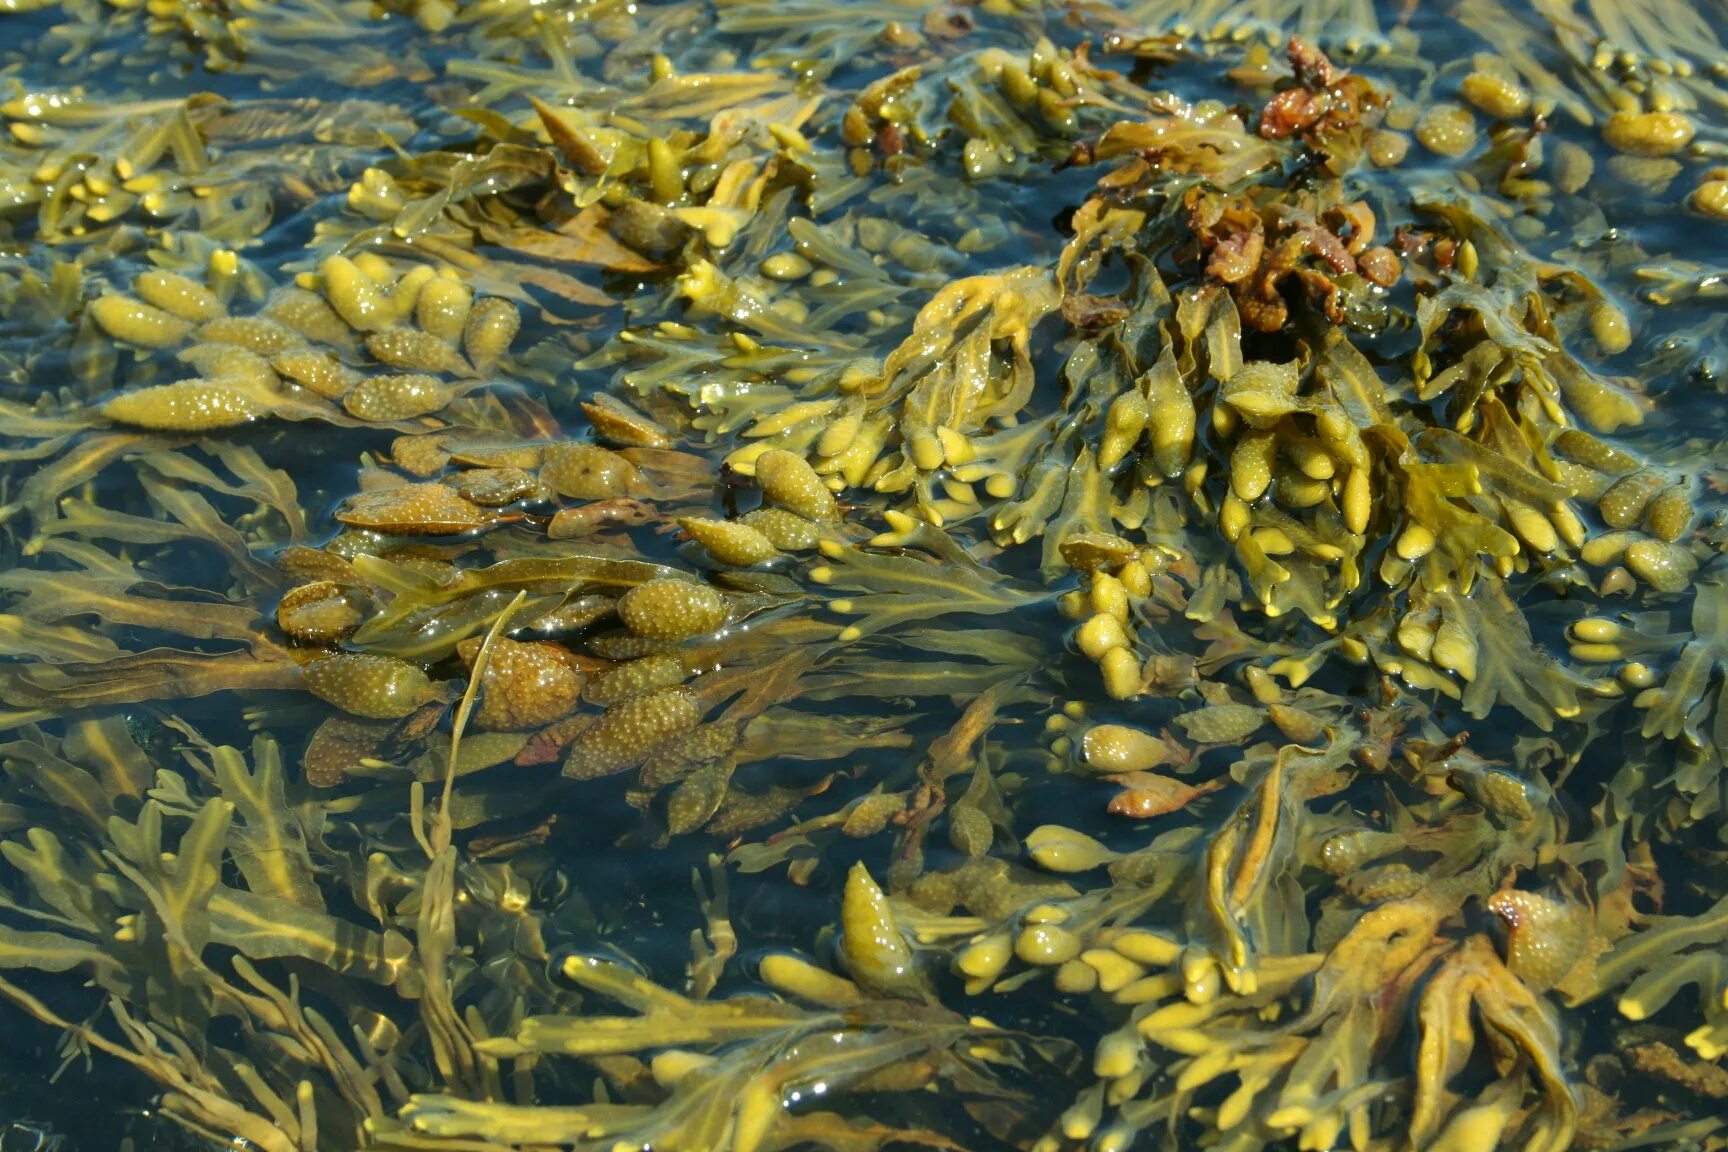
(1044, 494)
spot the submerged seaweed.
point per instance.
(1184, 535)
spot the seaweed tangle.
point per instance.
(1158, 571)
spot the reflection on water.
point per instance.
(727, 575)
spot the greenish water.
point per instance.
(999, 576)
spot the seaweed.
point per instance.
(1189, 536)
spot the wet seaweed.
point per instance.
(1183, 535)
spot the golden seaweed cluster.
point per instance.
(736, 575)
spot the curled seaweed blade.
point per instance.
(1508, 667)
(269, 928)
(270, 843)
(1677, 705)
(895, 589)
(1651, 967)
(37, 691)
(1475, 976)
(48, 951)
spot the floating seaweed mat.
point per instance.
(1175, 553)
